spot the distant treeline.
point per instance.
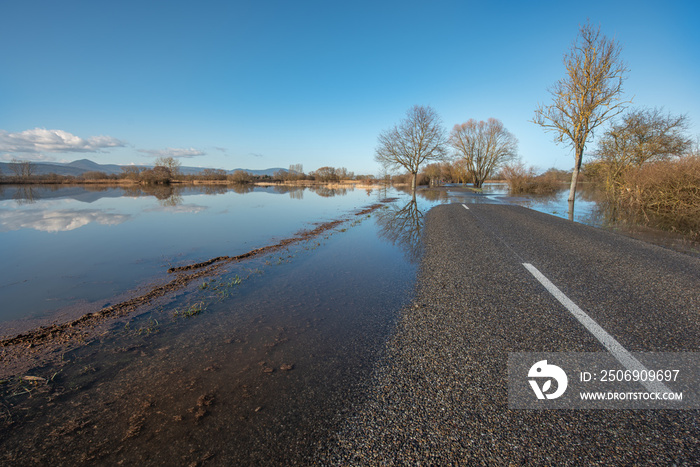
(166, 171)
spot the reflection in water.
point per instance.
(175, 199)
(403, 227)
(25, 194)
(167, 195)
(297, 194)
(329, 192)
(242, 188)
(56, 221)
(212, 189)
(282, 189)
(255, 376)
(436, 196)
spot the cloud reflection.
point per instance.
(179, 208)
(56, 221)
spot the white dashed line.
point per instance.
(608, 341)
(465, 207)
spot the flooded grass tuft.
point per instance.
(192, 310)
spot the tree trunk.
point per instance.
(574, 175)
(572, 189)
(413, 181)
(574, 179)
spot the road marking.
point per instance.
(465, 207)
(608, 341)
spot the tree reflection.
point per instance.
(167, 195)
(213, 189)
(25, 194)
(435, 195)
(403, 227)
(327, 192)
(242, 188)
(298, 193)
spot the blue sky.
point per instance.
(267, 84)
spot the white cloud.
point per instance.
(173, 152)
(32, 157)
(40, 140)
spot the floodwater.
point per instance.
(588, 209)
(77, 247)
(254, 364)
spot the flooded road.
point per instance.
(251, 365)
(254, 364)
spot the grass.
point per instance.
(151, 327)
(192, 310)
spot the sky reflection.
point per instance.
(58, 252)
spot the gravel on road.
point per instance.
(439, 395)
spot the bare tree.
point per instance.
(589, 95)
(297, 169)
(130, 172)
(484, 146)
(240, 177)
(434, 173)
(170, 163)
(641, 136)
(22, 169)
(417, 138)
(327, 174)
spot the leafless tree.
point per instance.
(213, 174)
(327, 174)
(484, 146)
(170, 163)
(344, 174)
(641, 136)
(22, 169)
(297, 169)
(158, 175)
(417, 138)
(589, 95)
(240, 177)
(130, 172)
(434, 173)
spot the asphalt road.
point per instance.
(440, 395)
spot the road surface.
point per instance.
(440, 395)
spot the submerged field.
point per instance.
(256, 360)
(251, 363)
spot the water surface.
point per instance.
(71, 248)
(253, 365)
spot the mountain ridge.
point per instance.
(80, 166)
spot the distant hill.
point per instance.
(81, 166)
(90, 166)
(260, 172)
